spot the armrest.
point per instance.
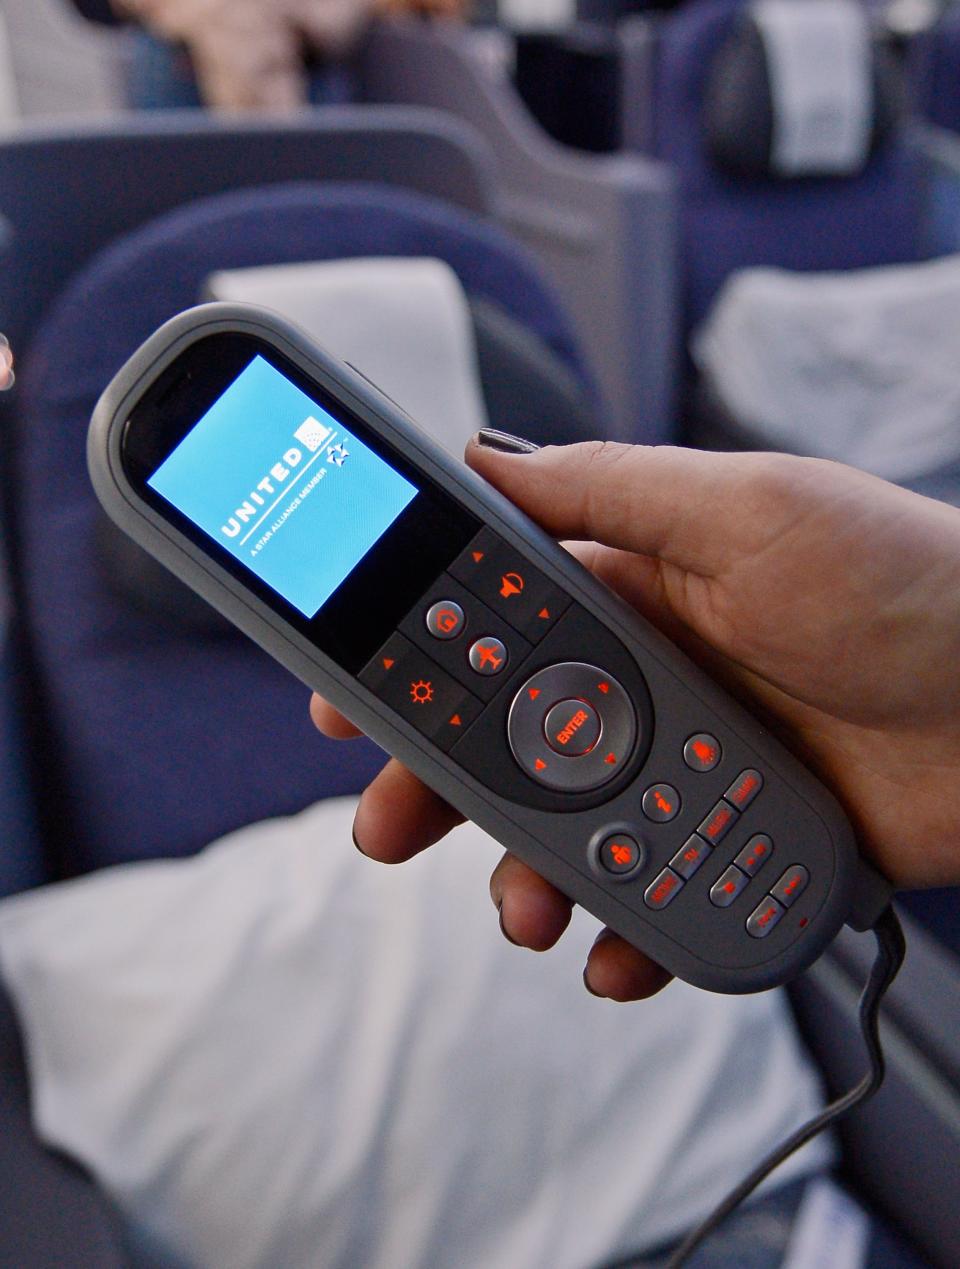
(603, 227)
(51, 1213)
(903, 1147)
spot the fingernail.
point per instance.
(586, 983)
(353, 834)
(491, 438)
(503, 928)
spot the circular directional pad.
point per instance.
(594, 705)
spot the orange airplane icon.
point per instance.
(488, 656)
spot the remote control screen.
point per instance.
(287, 489)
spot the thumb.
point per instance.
(675, 504)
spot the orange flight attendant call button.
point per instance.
(620, 854)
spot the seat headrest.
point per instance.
(800, 88)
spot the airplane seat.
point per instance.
(157, 742)
(712, 105)
(22, 862)
(933, 57)
(608, 218)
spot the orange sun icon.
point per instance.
(421, 692)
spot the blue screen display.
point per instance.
(283, 486)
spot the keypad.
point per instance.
(744, 789)
(482, 647)
(510, 586)
(571, 726)
(661, 803)
(791, 885)
(702, 752)
(755, 854)
(663, 890)
(538, 752)
(436, 704)
(764, 917)
(727, 887)
(690, 856)
(620, 854)
(718, 823)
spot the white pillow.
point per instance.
(403, 322)
(281, 1054)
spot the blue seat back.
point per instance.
(21, 857)
(935, 71)
(730, 223)
(157, 741)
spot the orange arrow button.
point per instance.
(534, 693)
(388, 663)
(477, 556)
(540, 765)
(456, 721)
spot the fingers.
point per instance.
(330, 721)
(678, 505)
(398, 816)
(618, 971)
(532, 912)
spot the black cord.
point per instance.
(891, 947)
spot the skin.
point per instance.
(249, 54)
(827, 600)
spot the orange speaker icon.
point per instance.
(512, 585)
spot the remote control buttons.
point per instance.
(413, 685)
(755, 854)
(488, 656)
(572, 728)
(445, 619)
(690, 856)
(467, 640)
(620, 854)
(570, 682)
(718, 823)
(744, 789)
(661, 803)
(764, 917)
(731, 884)
(702, 752)
(499, 575)
(791, 885)
(663, 890)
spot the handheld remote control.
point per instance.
(309, 509)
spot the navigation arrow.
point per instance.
(388, 663)
(477, 556)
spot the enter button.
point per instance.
(572, 727)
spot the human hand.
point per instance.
(828, 601)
